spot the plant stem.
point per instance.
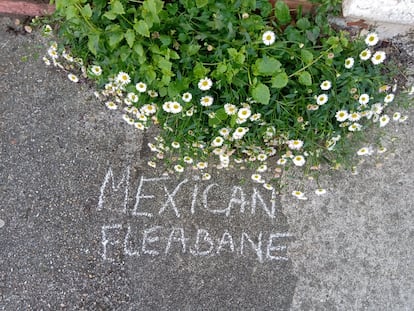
(310, 64)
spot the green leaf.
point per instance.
(221, 68)
(282, 12)
(201, 3)
(93, 43)
(221, 114)
(142, 28)
(280, 80)
(139, 49)
(165, 40)
(191, 49)
(214, 122)
(164, 65)
(115, 38)
(86, 11)
(305, 78)
(71, 12)
(130, 37)
(117, 7)
(261, 94)
(266, 66)
(306, 56)
(238, 57)
(303, 23)
(312, 35)
(200, 71)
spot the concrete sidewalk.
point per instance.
(88, 226)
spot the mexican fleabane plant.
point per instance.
(228, 82)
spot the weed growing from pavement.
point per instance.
(230, 83)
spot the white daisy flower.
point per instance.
(244, 113)
(224, 132)
(67, 56)
(268, 186)
(381, 149)
(139, 126)
(132, 97)
(111, 105)
(403, 119)
(354, 127)
(281, 161)
(217, 142)
(128, 119)
(47, 29)
(123, 78)
(149, 109)
(255, 117)
(363, 99)
(52, 53)
(354, 116)
(205, 84)
(175, 144)
(96, 70)
(46, 61)
(179, 168)
(190, 112)
(384, 120)
(187, 97)
(262, 157)
(367, 114)
(341, 115)
(152, 94)
(377, 108)
(396, 116)
(239, 132)
(295, 144)
(269, 37)
(175, 107)
(152, 164)
(201, 165)
(365, 151)
(141, 87)
(378, 57)
(299, 195)
(365, 54)
(206, 176)
(257, 178)
(230, 109)
(322, 99)
(349, 62)
(188, 160)
(299, 160)
(389, 98)
(73, 78)
(371, 39)
(262, 168)
(206, 101)
(320, 191)
(326, 85)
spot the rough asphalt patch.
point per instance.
(75, 236)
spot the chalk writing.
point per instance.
(163, 200)
(238, 200)
(162, 241)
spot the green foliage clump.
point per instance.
(234, 78)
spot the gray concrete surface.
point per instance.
(87, 226)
